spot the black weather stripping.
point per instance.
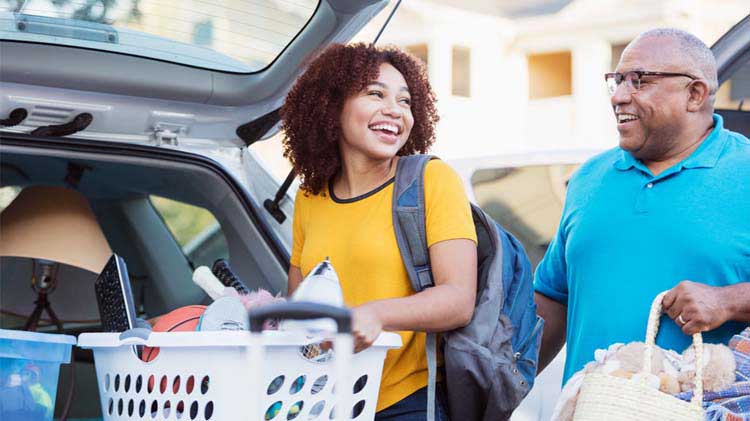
(252, 132)
(15, 118)
(80, 122)
(272, 206)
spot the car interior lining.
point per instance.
(118, 188)
(160, 272)
(136, 231)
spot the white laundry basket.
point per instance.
(227, 376)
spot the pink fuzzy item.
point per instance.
(258, 298)
(261, 298)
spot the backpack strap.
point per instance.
(409, 224)
(409, 219)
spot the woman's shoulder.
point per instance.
(308, 196)
(441, 180)
(304, 199)
(439, 169)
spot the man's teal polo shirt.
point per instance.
(626, 235)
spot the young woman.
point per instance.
(347, 120)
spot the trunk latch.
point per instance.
(168, 134)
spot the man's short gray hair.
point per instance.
(695, 50)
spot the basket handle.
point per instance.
(301, 310)
(653, 328)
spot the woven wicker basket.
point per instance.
(604, 397)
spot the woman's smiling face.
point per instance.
(376, 122)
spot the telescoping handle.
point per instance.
(343, 344)
(301, 310)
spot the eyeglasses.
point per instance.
(633, 79)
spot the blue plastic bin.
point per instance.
(29, 367)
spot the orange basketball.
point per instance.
(183, 319)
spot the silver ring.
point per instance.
(681, 320)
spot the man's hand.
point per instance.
(696, 307)
(366, 326)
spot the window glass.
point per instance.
(203, 33)
(733, 99)
(526, 201)
(617, 50)
(735, 90)
(7, 194)
(226, 35)
(550, 75)
(195, 229)
(420, 51)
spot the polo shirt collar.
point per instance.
(705, 156)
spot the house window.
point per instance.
(203, 33)
(419, 51)
(617, 50)
(550, 75)
(461, 71)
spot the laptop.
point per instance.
(114, 296)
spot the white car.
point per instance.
(125, 115)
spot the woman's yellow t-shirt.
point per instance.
(357, 234)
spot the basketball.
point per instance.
(183, 319)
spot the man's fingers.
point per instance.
(668, 299)
(674, 312)
(693, 326)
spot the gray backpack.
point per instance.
(490, 364)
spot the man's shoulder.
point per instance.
(737, 142)
(735, 155)
(596, 166)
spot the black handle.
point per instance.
(79, 122)
(301, 310)
(15, 118)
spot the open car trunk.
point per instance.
(160, 269)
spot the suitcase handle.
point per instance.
(301, 310)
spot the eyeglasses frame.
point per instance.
(640, 73)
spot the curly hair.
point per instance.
(311, 113)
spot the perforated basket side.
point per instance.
(202, 383)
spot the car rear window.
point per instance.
(231, 36)
(525, 200)
(195, 229)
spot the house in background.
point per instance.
(512, 76)
(516, 77)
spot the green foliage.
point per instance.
(183, 220)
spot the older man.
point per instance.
(669, 209)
